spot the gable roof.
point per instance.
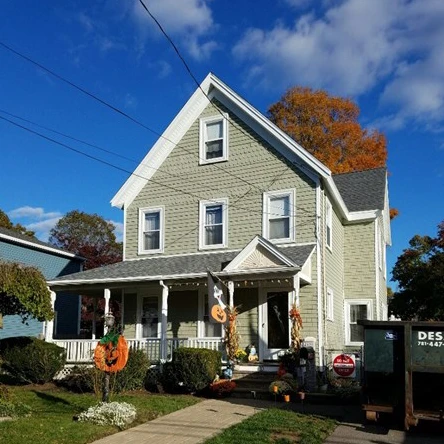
(12, 236)
(362, 190)
(213, 88)
(184, 266)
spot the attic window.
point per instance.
(213, 139)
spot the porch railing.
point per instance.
(80, 351)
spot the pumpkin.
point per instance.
(111, 358)
(218, 314)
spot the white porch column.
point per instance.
(164, 322)
(50, 324)
(107, 296)
(93, 333)
(231, 293)
(296, 288)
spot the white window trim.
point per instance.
(329, 223)
(203, 204)
(202, 135)
(266, 214)
(330, 304)
(347, 303)
(142, 212)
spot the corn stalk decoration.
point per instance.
(231, 333)
(296, 327)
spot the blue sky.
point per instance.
(388, 56)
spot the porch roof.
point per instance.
(185, 266)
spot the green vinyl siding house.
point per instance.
(224, 189)
(52, 263)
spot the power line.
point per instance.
(179, 190)
(188, 69)
(112, 107)
(92, 145)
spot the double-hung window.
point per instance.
(278, 220)
(151, 230)
(213, 224)
(328, 224)
(213, 139)
(355, 310)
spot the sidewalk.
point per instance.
(191, 425)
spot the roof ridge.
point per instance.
(360, 171)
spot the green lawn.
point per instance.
(53, 409)
(277, 426)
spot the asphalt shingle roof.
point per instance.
(362, 190)
(174, 265)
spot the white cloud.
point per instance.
(354, 46)
(36, 219)
(119, 230)
(33, 213)
(191, 20)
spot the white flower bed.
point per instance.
(119, 414)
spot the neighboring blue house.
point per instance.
(52, 262)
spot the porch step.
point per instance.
(252, 381)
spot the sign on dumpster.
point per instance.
(344, 366)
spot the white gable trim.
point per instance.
(210, 88)
(163, 147)
(250, 248)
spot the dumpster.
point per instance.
(403, 370)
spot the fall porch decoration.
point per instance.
(296, 327)
(111, 353)
(231, 333)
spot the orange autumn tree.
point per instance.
(328, 127)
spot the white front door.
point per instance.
(275, 331)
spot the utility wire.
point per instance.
(176, 176)
(136, 121)
(103, 102)
(179, 190)
(188, 69)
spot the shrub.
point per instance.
(191, 370)
(133, 375)
(32, 360)
(80, 380)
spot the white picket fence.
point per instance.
(81, 350)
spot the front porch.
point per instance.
(81, 351)
(160, 312)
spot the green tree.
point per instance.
(23, 292)
(92, 237)
(419, 272)
(89, 236)
(5, 222)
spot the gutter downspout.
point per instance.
(164, 323)
(319, 274)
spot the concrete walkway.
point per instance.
(195, 424)
(190, 425)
